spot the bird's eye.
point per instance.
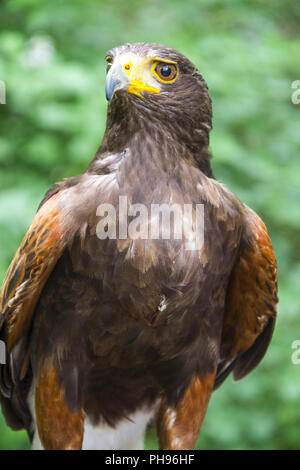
(166, 72)
(109, 61)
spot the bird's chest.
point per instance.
(149, 271)
(152, 247)
(143, 243)
(143, 277)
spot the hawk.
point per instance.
(105, 331)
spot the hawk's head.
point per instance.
(156, 86)
(155, 75)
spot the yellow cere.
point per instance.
(136, 86)
(138, 70)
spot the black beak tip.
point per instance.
(108, 96)
(112, 84)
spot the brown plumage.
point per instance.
(100, 330)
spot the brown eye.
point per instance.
(166, 72)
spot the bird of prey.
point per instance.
(107, 328)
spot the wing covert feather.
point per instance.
(42, 245)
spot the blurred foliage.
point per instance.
(52, 62)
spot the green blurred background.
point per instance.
(52, 61)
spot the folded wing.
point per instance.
(251, 304)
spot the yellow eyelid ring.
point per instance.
(158, 61)
(165, 61)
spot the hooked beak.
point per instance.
(116, 79)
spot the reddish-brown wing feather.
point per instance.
(251, 304)
(30, 269)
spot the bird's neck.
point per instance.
(167, 142)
